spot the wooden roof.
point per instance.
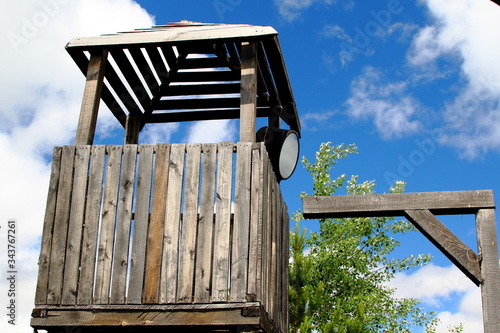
(188, 71)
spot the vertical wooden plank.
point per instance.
(255, 242)
(75, 227)
(248, 93)
(108, 221)
(490, 271)
(266, 225)
(141, 221)
(241, 226)
(168, 281)
(284, 272)
(154, 247)
(220, 268)
(276, 256)
(272, 250)
(48, 229)
(61, 220)
(123, 224)
(91, 97)
(205, 225)
(187, 247)
(90, 232)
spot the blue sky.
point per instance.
(414, 84)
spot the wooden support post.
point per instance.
(132, 129)
(420, 209)
(248, 101)
(490, 269)
(446, 241)
(91, 97)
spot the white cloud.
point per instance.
(314, 121)
(467, 31)
(334, 30)
(158, 133)
(211, 131)
(41, 93)
(291, 9)
(435, 286)
(387, 103)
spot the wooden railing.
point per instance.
(172, 225)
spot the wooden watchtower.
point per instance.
(177, 237)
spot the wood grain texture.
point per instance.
(92, 219)
(446, 241)
(61, 221)
(371, 205)
(179, 34)
(255, 236)
(144, 319)
(490, 271)
(241, 227)
(91, 97)
(48, 229)
(248, 92)
(123, 225)
(76, 224)
(132, 129)
(107, 228)
(154, 249)
(168, 281)
(187, 244)
(204, 249)
(185, 257)
(141, 222)
(222, 241)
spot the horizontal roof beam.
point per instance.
(395, 204)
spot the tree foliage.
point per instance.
(339, 275)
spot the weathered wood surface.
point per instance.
(180, 225)
(168, 279)
(155, 231)
(91, 230)
(126, 318)
(150, 36)
(241, 228)
(141, 222)
(220, 268)
(248, 94)
(123, 224)
(146, 65)
(91, 97)
(205, 225)
(185, 282)
(446, 241)
(76, 223)
(48, 229)
(370, 205)
(487, 241)
(60, 230)
(420, 208)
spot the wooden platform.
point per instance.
(180, 235)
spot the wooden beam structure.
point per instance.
(395, 204)
(248, 95)
(91, 97)
(420, 209)
(190, 71)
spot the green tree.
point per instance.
(339, 275)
